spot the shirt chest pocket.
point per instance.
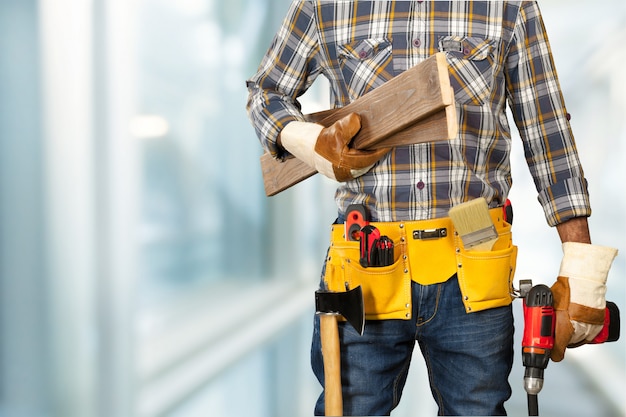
(471, 63)
(365, 64)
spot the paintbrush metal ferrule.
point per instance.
(479, 236)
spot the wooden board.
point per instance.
(411, 97)
(281, 175)
(400, 102)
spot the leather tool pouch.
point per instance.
(386, 290)
(485, 278)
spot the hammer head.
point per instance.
(348, 304)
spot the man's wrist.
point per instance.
(574, 230)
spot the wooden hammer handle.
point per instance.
(329, 334)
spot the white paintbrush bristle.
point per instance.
(474, 225)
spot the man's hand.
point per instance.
(579, 295)
(327, 149)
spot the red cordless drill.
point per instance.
(538, 338)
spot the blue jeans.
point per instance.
(469, 356)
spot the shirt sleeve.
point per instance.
(287, 70)
(540, 115)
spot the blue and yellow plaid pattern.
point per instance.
(498, 52)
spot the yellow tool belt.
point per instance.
(427, 252)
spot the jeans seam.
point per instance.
(436, 394)
(431, 318)
(433, 387)
(396, 382)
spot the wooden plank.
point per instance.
(442, 125)
(397, 104)
(411, 97)
(281, 175)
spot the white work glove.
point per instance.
(327, 149)
(579, 295)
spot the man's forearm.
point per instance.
(574, 230)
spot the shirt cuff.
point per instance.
(271, 142)
(565, 200)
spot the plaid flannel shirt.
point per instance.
(496, 50)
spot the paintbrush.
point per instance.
(474, 225)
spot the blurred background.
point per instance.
(144, 273)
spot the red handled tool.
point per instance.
(507, 211)
(384, 252)
(369, 236)
(356, 219)
(375, 250)
(538, 338)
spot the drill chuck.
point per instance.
(533, 380)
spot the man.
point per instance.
(497, 51)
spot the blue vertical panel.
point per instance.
(23, 374)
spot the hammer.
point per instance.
(329, 306)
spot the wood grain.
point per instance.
(417, 106)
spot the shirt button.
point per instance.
(420, 185)
(568, 117)
(466, 51)
(363, 54)
(417, 43)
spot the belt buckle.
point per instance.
(426, 234)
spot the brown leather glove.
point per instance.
(579, 295)
(328, 149)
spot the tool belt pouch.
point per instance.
(486, 277)
(386, 289)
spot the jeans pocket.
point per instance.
(471, 62)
